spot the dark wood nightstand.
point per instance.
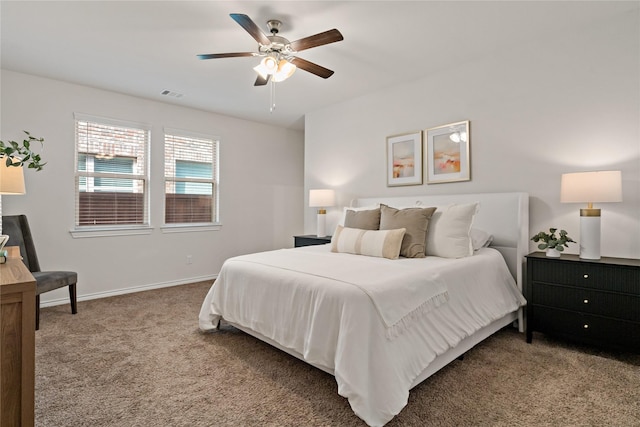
(595, 302)
(310, 240)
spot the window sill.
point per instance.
(79, 233)
(188, 228)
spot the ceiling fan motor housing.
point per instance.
(274, 26)
(278, 44)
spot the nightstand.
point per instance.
(310, 240)
(595, 302)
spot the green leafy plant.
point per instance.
(20, 154)
(551, 241)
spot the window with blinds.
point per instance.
(191, 184)
(111, 173)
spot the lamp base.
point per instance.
(590, 233)
(322, 223)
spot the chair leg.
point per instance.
(37, 312)
(73, 298)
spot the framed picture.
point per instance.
(448, 157)
(404, 159)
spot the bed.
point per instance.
(381, 326)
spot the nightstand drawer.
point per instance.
(587, 328)
(587, 275)
(621, 306)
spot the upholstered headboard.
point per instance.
(503, 215)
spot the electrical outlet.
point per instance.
(189, 259)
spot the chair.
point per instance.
(17, 228)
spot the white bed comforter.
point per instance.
(338, 324)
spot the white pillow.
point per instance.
(377, 243)
(449, 231)
(480, 238)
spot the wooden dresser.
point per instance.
(17, 338)
(595, 302)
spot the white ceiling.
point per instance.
(144, 47)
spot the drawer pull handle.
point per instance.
(586, 301)
(585, 326)
(586, 276)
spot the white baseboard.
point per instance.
(131, 290)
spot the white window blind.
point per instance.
(111, 173)
(191, 178)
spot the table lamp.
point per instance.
(591, 187)
(322, 199)
(11, 182)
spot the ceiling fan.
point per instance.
(279, 54)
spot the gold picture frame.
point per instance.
(448, 156)
(404, 159)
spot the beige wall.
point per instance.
(563, 103)
(261, 199)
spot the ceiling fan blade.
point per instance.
(320, 39)
(225, 55)
(251, 28)
(260, 81)
(316, 69)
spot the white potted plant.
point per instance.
(553, 244)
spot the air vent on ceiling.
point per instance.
(171, 93)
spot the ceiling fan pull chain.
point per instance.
(273, 97)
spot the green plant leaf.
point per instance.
(21, 152)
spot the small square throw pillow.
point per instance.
(480, 238)
(363, 219)
(416, 222)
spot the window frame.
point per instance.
(214, 180)
(112, 229)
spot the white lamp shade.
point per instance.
(285, 70)
(262, 70)
(11, 178)
(267, 66)
(591, 187)
(322, 198)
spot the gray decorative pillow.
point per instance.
(416, 223)
(364, 220)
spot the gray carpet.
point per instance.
(139, 360)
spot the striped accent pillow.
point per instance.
(378, 243)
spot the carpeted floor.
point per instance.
(140, 360)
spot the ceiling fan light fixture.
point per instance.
(285, 70)
(268, 66)
(260, 69)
